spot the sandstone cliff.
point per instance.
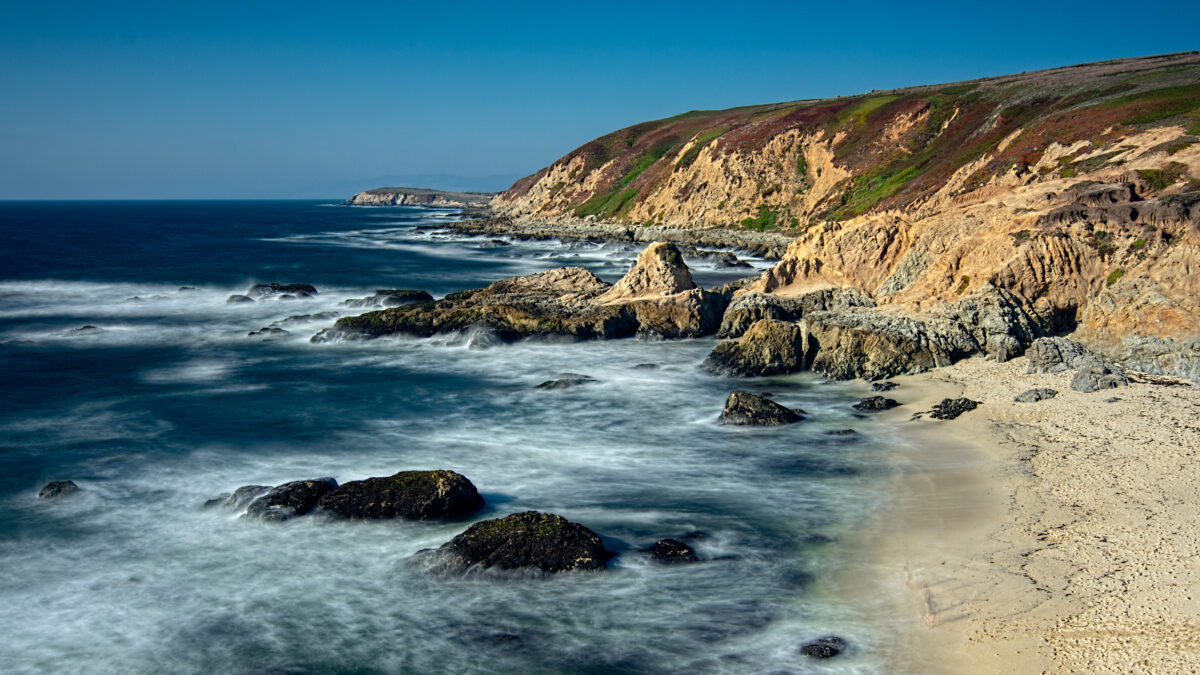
(1076, 189)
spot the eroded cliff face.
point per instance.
(1075, 189)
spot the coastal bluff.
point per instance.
(404, 196)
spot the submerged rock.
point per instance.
(671, 552)
(744, 408)
(768, 347)
(824, 648)
(565, 381)
(268, 333)
(57, 489)
(239, 498)
(1034, 395)
(530, 540)
(407, 494)
(655, 299)
(239, 299)
(290, 499)
(874, 403)
(950, 408)
(391, 298)
(276, 290)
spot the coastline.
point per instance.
(1056, 536)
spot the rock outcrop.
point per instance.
(657, 298)
(57, 489)
(534, 541)
(1035, 395)
(281, 291)
(748, 308)
(744, 408)
(413, 495)
(1097, 375)
(290, 499)
(390, 298)
(768, 347)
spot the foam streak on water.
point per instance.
(168, 402)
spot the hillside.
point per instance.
(1077, 189)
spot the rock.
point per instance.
(841, 432)
(85, 330)
(883, 386)
(750, 307)
(187, 289)
(1055, 354)
(268, 332)
(744, 408)
(655, 299)
(1112, 399)
(57, 489)
(408, 494)
(239, 498)
(1161, 356)
(824, 648)
(1097, 375)
(290, 499)
(391, 298)
(260, 291)
(565, 381)
(529, 540)
(769, 347)
(1034, 395)
(951, 408)
(646, 366)
(239, 299)
(671, 552)
(874, 403)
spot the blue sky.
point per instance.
(280, 100)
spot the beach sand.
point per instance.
(1060, 536)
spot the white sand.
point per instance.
(1057, 536)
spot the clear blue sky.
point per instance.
(299, 99)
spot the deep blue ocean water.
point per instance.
(154, 399)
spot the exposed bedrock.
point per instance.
(768, 347)
(657, 298)
(750, 307)
(538, 542)
(407, 494)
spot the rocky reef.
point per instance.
(656, 298)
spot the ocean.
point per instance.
(123, 368)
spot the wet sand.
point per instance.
(1059, 536)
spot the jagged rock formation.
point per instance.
(530, 540)
(399, 196)
(657, 299)
(744, 408)
(1076, 190)
(769, 347)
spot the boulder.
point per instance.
(290, 499)
(414, 495)
(769, 347)
(1097, 375)
(750, 307)
(950, 408)
(873, 345)
(744, 408)
(239, 299)
(1034, 395)
(390, 298)
(57, 489)
(531, 540)
(1055, 354)
(276, 290)
(239, 498)
(671, 552)
(824, 648)
(883, 386)
(875, 403)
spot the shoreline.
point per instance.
(1055, 536)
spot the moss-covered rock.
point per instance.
(407, 494)
(530, 540)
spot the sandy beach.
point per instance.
(1058, 536)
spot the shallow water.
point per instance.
(166, 402)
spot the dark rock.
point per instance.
(768, 347)
(290, 499)
(646, 366)
(86, 330)
(565, 381)
(1097, 375)
(268, 332)
(744, 408)
(671, 551)
(824, 648)
(187, 289)
(391, 298)
(408, 494)
(260, 291)
(1055, 354)
(57, 489)
(883, 386)
(951, 408)
(304, 318)
(749, 308)
(529, 540)
(239, 299)
(1034, 395)
(873, 403)
(239, 498)
(841, 432)
(1112, 399)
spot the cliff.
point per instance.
(1075, 189)
(400, 196)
